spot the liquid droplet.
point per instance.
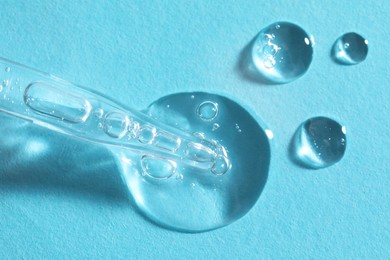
(7, 69)
(319, 142)
(350, 49)
(116, 124)
(286, 43)
(157, 168)
(201, 200)
(207, 111)
(215, 127)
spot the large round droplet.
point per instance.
(199, 199)
(282, 52)
(319, 142)
(350, 49)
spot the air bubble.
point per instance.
(157, 167)
(350, 49)
(5, 83)
(51, 100)
(221, 165)
(319, 142)
(179, 177)
(99, 113)
(167, 141)
(207, 111)
(146, 134)
(116, 124)
(215, 127)
(282, 52)
(134, 128)
(199, 152)
(7, 69)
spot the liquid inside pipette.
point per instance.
(64, 107)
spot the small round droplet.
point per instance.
(319, 142)
(207, 111)
(215, 126)
(350, 49)
(7, 69)
(282, 52)
(116, 124)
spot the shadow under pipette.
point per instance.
(37, 161)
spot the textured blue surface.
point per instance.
(66, 198)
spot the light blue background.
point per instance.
(65, 201)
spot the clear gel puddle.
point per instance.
(350, 49)
(192, 162)
(319, 142)
(282, 52)
(184, 198)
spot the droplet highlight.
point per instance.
(350, 49)
(319, 142)
(282, 52)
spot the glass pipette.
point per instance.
(59, 105)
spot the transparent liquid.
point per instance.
(350, 49)
(282, 52)
(201, 165)
(319, 142)
(179, 196)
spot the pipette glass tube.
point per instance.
(64, 107)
